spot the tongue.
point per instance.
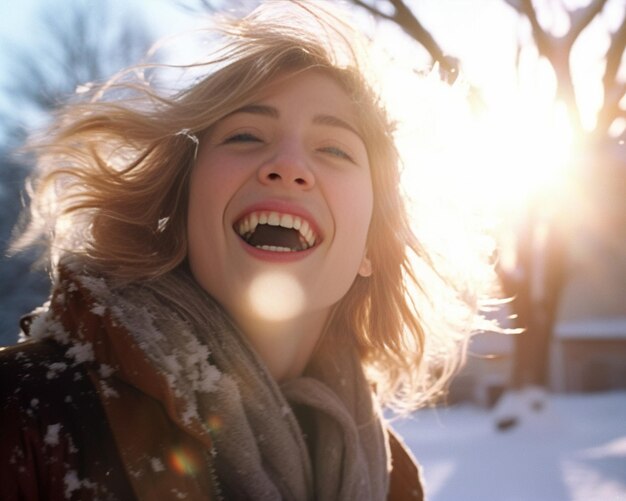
(275, 235)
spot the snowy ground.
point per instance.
(575, 449)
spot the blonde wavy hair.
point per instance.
(112, 173)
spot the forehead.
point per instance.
(308, 89)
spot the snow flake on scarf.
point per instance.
(72, 483)
(172, 348)
(52, 434)
(169, 344)
(45, 325)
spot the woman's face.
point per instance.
(282, 188)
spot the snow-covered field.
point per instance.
(575, 449)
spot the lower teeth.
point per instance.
(275, 248)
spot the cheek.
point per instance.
(357, 202)
(205, 177)
(210, 187)
(205, 213)
(200, 200)
(352, 211)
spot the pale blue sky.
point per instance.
(20, 25)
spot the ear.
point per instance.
(365, 270)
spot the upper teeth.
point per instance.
(248, 224)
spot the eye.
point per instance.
(337, 152)
(242, 137)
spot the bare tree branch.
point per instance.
(614, 90)
(557, 51)
(544, 40)
(610, 108)
(374, 11)
(614, 55)
(404, 17)
(581, 18)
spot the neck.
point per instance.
(286, 346)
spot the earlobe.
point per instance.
(365, 270)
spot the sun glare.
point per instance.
(484, 167)
(276, 296)
(527, 151)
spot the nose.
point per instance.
(289, 168)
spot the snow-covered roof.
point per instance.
(593, 328)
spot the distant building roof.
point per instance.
(593, 328)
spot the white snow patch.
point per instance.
(44, 325)
(81, 352)
(54, 369)
(135, 473)
(157, 465)
(613, 448)
(189, 414)
(585, 482)
(107, 391)
(573, 449)
(72, 447)
(209, 377)
(71, 483)
(97, 286)
(52, 434)
(171, 364)
(99, 310)
(105, 370)
(171, 381)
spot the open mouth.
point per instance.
(276, 232)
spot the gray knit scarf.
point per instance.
(260, 449)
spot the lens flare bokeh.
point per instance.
(183, 462)
(276, 296)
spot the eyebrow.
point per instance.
(258, 109)
(270, 111)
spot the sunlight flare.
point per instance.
(276, 296)
(489, 164)
(183, 462)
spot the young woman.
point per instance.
(236, 286)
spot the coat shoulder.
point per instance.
(37, 381)
(51, 426)
(406, 479)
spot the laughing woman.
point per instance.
(236, 287)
